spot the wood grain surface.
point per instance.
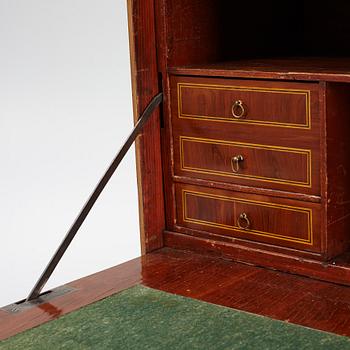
(280, 151)
(286, 297)
(338, 166)
(146, 85)
(279, 222)
(335, 69)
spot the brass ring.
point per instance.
(238, 106)
(235, 163)
(243, 218)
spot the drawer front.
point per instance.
(232, 161)
(277, 221)
(269, 104)
(278, 138)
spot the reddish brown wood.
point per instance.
(205, 152)
(182, 31)
(298, 300)
(247, 189)
(163, 54)
(175, 33)
(201, 31)
(337, 271)
(88, 290)
(203, 140)
(193, 31)
(246, 244)
(215, 159)
(281, 222)
(280, 156)
(334, 174)
(337, 107)
(148, 147)
(336, 69)
(215, 99)
(168, 160)
(281, 296)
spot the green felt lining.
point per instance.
(144, 318)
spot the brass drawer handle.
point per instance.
(235, 163)
(243, 221)
(238, 110)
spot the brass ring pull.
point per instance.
(235, 163)
(243, 221)
(238, 110)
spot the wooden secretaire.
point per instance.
(247, 159)
(249, 156)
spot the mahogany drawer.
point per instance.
(278, 137)
(258, 165)
(277, 221)
(277, 104)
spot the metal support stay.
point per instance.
(93, 198)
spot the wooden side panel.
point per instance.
(148, 146)
(166, 130)
(193, 31)
(338, 167)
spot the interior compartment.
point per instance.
(210, 31)
(203, 37)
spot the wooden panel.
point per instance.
(337, 108)
(202, 31)
(193, 33)
(281, 222)
(161, 7)
(204, 152)
(277, 105)
(331, 271)
(247, 189)
(148, 146)
(284, 107)
(278, 295)
(272, 149)
(232, 161)
(234, 242)
(87, 290)
(336, 69)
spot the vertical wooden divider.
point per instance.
(145, 84)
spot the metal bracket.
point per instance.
(156, 101)
(46, 297)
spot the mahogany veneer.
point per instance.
(276, 151)
(331, 69)
(274, 221)
(258, 111)
(209, 63)
(266, 102)
(212, 159)
(299, 300)
(279, 135)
